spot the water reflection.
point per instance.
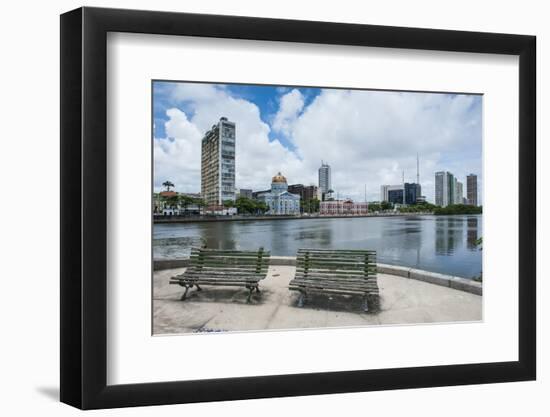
(437, 243)
(448, 234)
(472, 233)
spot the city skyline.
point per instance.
(285, 129)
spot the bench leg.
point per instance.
(365, 304)
(198, 288)
(258, 288)
(302, 299)
(250, 290)
(185, 293)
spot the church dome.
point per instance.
(279, 178)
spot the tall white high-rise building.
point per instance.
(445, 188)
(324, 178)
(459, 192)
(218, 163)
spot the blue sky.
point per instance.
(266, 97)
(368, 137)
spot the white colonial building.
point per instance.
(279, 200)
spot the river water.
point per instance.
(443, 244)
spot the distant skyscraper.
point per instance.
(324, 178)
(471, 189)
(218, 163)
(445, 188)
(459, 193)
(411, 193)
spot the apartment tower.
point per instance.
(218, 164)
(471, 189)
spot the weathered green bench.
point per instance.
(224, 268)
(351, 272)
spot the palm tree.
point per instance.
(167, 184)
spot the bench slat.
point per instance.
(341, 280)
(364, 284)
(222, 273)
(227, 267)
(228, 270)
(224, 268)
(343, 272)
(218, 278)
(337, 291)
(346, 271)
(224, 283)
(245, 260)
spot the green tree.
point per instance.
(243, 205)
(201, 204)
(310, 206)
(458, 209)
(246, 205)
(374, 207)
(186, 201)
(315, 205)
(173, 201)
(386, 205)
(261, 207)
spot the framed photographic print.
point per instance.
(257, 208)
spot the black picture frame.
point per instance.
(84, 207)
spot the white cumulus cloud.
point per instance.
(368, 137)
(291, 105)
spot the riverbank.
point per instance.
(224, 309)
(177, 219)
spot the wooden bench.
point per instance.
(350, 272)
(224, 268)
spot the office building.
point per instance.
(247, 193)
(445, 186)
(324, 178)
(306, 193)
(412, 193)
(395, 196)
(395, 190)
(459, 193)
(218, 164)
(395, 193)
(258, 195)
(471, 189)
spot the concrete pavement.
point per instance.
(215, 309)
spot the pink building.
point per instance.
(343, 208)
